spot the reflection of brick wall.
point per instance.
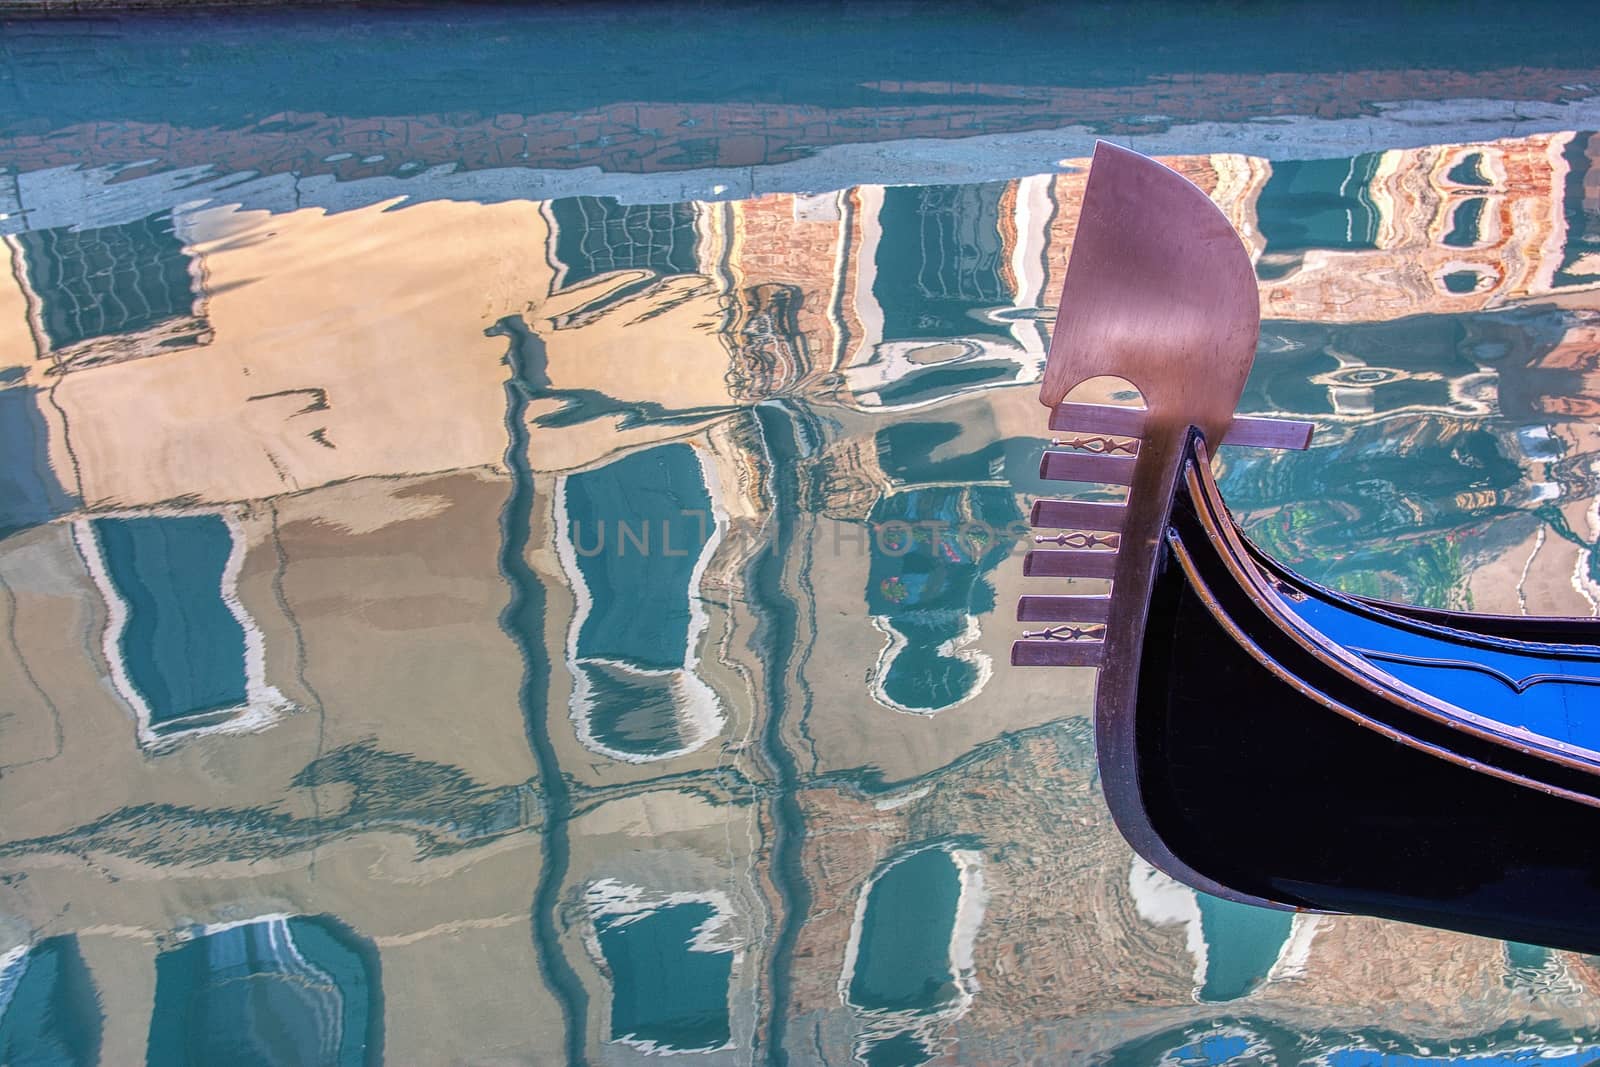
(1511, 252)
(1060, 936)
(786, 239)
(646, 137)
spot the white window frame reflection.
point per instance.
(928, 1027)
(697, 702)
(719, 933)
(876, 364)
(264, 704)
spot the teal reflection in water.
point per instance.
(1531, 957)
(275, 992)
(920, 452)
(903, 960)
(180, 644)
(595, 235)
(1242, 944)
(903, 1049)
(667, 992)
(30, 491)
(639, 525)
(1227, 1041)
(940, 264)
(931, 550)
(49, 1008)
(637, 532)
(1322, 203)
(110, 280)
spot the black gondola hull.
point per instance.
(1264, 771)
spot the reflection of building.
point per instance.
(182, 650)
(347, 717)
(112, 293)
(383, 797)
(279, 988)
(1440, 230)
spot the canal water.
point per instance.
(508, 542)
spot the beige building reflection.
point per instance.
(329, 392)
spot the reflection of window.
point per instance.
(942, 261)
(111, 293)
(1468, 170)
(595, 234)
(49, 1008)
(634, 537)
(1235, 946)
(932, 549)
(181, 649)
(274, 991)
(1319, 203)
(1466, 224)
(670, 961)
(1459, 282)
(1580, 260)
(908, 963)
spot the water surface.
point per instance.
(505, 563)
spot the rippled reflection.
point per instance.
(457, 608)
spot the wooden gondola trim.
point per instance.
(1098, 418)
(1069, 563)
(1035, 652)
(1086, 467)
(1077, 515)
(1064, 607)
(1254, 432)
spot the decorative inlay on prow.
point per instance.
(1098, 444)
(1079, 539)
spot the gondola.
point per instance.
(1260, 737)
